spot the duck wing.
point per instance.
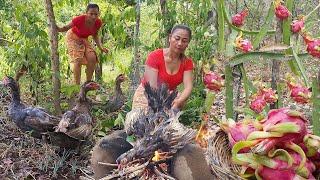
(40, 120)
(82, 127)
(37, 121)
(66, 121)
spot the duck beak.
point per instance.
(96, 86)
(4, 81)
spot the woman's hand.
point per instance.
(64, 28)
(105, 50)
(177, 104)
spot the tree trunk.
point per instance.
(98, 70)
(136, 59)
(275, 77)
(53, 33)
(166, 28)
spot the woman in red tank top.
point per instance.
(170, 66)
(79, 48)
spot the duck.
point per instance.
(77, 123)
(34, 120)
(117, 100)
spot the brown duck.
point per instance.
(116, 101)
(77, 123)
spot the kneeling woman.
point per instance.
(169, 66)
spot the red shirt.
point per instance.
(80, 29)
(156, 60)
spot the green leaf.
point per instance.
(246, 57)
(119, 121)
(301, 68)
(316, 106)
(131, 138)
(248, 86)
(229, 91)
(209, 101)
(221, 38)
(101, 133)
(70, 90)
(264, 28)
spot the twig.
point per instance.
(157, 172)
(108, 164)
(128, 171)
(306, 17)
(87, 175)
(2, 39)
(4, 153)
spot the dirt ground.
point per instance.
(23, 157)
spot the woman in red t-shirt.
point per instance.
(79, 48)
(170, 66)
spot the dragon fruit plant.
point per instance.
(238, 19)
(280, 10)
(212, 81)
(243, 45)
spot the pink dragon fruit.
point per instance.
(269, 95)
(245, 45)
(313, 48)
(213, 81)
(283, 170)
(284, 125)
(297, 25)
(299, 93)
(238, 19)
(281, 11)
(238, 131)
(311, 146)
(258, 103)
(267, 173)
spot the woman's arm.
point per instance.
(151, 75)
(98, 42)
(179, 102)
(64, 28)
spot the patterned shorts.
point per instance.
(78, 48)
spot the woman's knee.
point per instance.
(91, 57)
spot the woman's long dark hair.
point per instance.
(92, 6)
(184, 27)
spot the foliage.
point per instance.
(194, 107)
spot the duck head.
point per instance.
(86, 87)
(10, 82)
(121, 78)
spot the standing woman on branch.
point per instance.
(79, 48)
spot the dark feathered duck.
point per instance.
(77, 123)
(29, 119)
(116, 101)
